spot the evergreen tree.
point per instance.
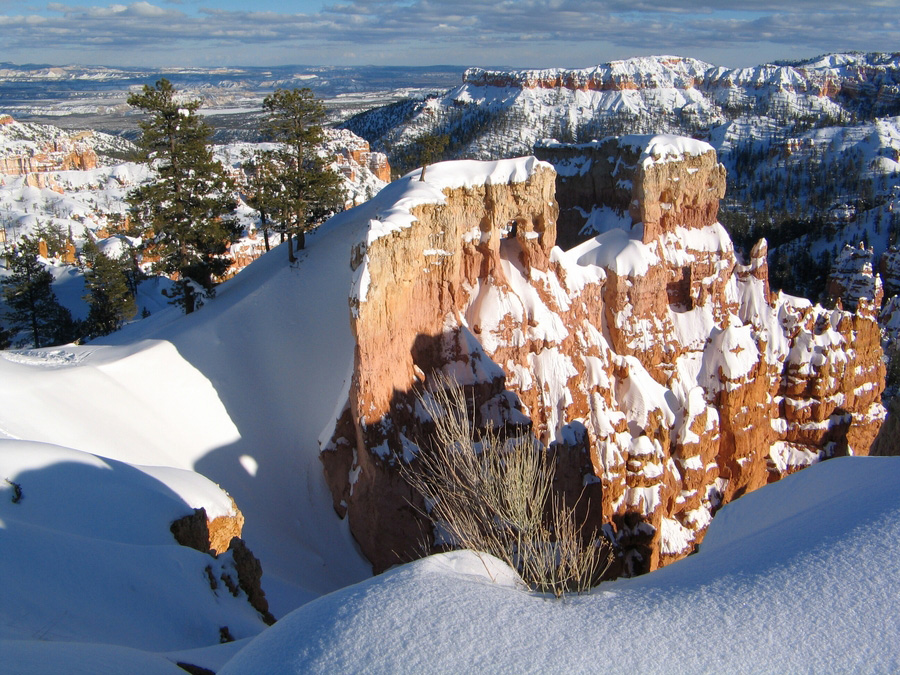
(429, 148)
(110, 298)
(308, 191)
(33, 306)
(263, 188)
(186, 208)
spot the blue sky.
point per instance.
(519, 33)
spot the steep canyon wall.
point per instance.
(666, 376)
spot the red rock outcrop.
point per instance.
(665, 375)
(220, 537)
(852, 280)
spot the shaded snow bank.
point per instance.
(86, 554)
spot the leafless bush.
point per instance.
(887, 443)
(495, 496)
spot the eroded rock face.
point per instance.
(220, 537)
(664, 374)
(852, 279)
(64, 155)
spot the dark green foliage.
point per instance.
(33, 306)
(110, 297)
(187, 208)
(795, 271)
(429, 149)
(792, 268)
(307, 191)
(263, 187)
(375, 124)
(5, 338)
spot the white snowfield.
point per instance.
(797, 577)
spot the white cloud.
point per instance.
(470, 29)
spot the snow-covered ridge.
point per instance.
(651, 71)
(655, 72)
(446, 176)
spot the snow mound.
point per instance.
(789, 578)
(74, 531)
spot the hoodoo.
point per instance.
(664, 373)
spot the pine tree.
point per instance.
(263, 187)
(109, 296)
(186, 208)
(33, 306)
(309, 191)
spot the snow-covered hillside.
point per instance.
(43, 200)
(646, 94)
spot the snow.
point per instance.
(731, 352)
(185, 392)
(662, 148)
(639, 395)
(74, 510)
(618, 251)
(41, 657)
(787, 579)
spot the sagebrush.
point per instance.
(495, 495)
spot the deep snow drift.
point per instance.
(757, 598)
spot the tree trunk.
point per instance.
(290, 247)
(264, 221)
(188, 292)
(301, 240)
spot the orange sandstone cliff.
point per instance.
(664, 375)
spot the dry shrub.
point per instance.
(887, 443)
(495, 496)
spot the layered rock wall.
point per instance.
(664, 374)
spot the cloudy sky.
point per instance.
(520, 33)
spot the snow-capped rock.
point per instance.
(649, 356)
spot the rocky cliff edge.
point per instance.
(666, 377)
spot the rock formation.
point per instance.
(664, 374)
(852, 279)
(66, 153)
(353, 154)
(220, 537)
